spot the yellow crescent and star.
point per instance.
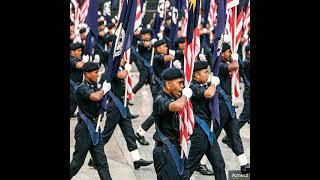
(192, 4)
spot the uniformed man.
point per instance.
(76, 76)
(114, 117)
(244, 117)
(88, 95)
(202, 140)
(161, 58)
(170, 100)
(144, 49)
(228, 119)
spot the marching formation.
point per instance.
(193, 54)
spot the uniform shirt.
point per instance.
(75, 73)
(144, 51)
(88, 107)
(167, 122)
(159, 65)
(225, 78)
(200, 103)
(118, 86)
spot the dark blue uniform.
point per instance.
(168, 123)
(114, 117)
(83, 141)
(200, 144)
(230, 125)
(245, 74)
(76, 77)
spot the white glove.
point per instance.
(106, 30)
(96, 58)
(85, 58)
(187, 92)
(172, 52)
(148, 26)
(177, 64)
(234, 56)
(113, 20)
(160, 36)
(211, 28)
(128, 67)
(214, 80)
(202, 57)
(139, 29)
(106, 87)
(153, 41)
(205, 30)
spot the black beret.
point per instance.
(75, 46)
(108, 38)
(145, 31)
(159, 43)
(200, 65)
(90, 66)
(247, 48)
(181, 40)
(101, 23)
(82, 30)
(172, 73)
(225, 47)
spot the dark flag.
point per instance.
(176, 8)
(123, 36)
(159, 18)
(91, 20)
(216, 57)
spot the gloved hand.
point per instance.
(160, 36)
(106, 87)
(96, 58)
(214, 80)
(172, 52)
(128, 67)
(205, 30)
(234, 56)
(85, 58)
(187, 92)
(202, 57)
(177, 64)
(106, 30)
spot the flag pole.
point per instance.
(152, 55)
(98, 123)
(234, 51)
(125, 91)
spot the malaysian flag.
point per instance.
(191, 50)
(159, 19)
(235, 26)
(128, 80)
(246, 28)
(212, 17)
(138, 15)
(216, 56)
(185, 21)
(80, 13)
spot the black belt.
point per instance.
(94, 120)
(160, 143)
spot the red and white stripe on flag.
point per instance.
(212, 17)
(138, 15)
(232, 3)
(235, 23)
(246, 20)
(129, 77)
(191, 52)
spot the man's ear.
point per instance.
(168, 84)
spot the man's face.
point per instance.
(248, 54)
(76, 53)
(202, 75)
(175, 87)
(83, 35)
(92, 76)
(145, 37)
(162, 49)
(226, 56)
(72, 29)
(181, 45)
